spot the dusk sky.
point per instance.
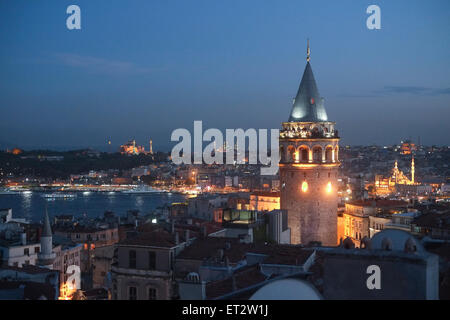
(141, 69)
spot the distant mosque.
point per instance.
(388, 185)
(399, 178)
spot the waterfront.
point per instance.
(32, 205)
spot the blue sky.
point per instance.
(140, 69)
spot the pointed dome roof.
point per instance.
(308, 105)
(47, 230)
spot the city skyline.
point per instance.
(198, 152)
(144, 70)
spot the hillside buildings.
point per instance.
(143, 266)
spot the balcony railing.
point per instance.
(292, 134)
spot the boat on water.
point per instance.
(58, 195)
(5, 191)
(141, 189)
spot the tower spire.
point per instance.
(46, 256)
(308, 105)
(46, 230)
(308, 52)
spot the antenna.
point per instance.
(308, 52)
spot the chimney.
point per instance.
(233, 282)
(23, 238)
(204, 233)
(220, 254)
(227, 264)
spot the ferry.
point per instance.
(58, 195)
(6, 191)
(141, 189)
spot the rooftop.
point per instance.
(157, 238)
(308, 105)
(31, 290)
(379, 203)
(208, 248)
(30, 269)
(283, 254)
(434, 220)
(79, 228)
(243, 278)
(266, 194)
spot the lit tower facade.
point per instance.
(309, 162)
(46, 256)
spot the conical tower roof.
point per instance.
(47, 230)
(308, 105)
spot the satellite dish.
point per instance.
(287, 289)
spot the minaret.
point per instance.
(412, 170)
(151, 146)
(46, 257)
(396, 171)
(309, 147)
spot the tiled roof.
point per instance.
(32, 290)
(434, 220)
(207, 248)
(157, 238)
(266, 194)
(243, 278)
(80, 229)
(283, 254)
(277, 254)
(96, 293)
(31, 269)
(380, 203)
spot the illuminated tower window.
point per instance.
(329, 187)
(305, 186)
